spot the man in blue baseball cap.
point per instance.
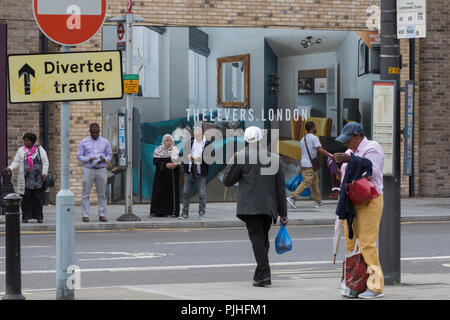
(366, 222)
(349, 130)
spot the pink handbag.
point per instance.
(361, 190)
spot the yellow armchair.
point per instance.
(291, 148)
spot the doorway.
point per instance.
(318, 92)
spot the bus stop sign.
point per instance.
(69, 22)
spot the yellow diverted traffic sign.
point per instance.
(69, 76)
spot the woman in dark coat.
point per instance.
(166, 190)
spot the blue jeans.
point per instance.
(189, 181)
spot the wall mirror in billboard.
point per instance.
(233, 81)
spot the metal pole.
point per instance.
(412, 61)
(12, 251)
(65, 208)
(45, 113)
(129, 105)
(389, 239)
(129, 216)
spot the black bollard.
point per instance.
(13, 268)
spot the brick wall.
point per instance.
(434, 113)
(23, 37)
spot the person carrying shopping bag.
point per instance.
(364, 159)
(260, 198)
(309, 165)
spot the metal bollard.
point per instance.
(13, 268)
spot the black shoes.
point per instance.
(262, 283)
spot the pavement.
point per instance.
(223, 215)
(412, 286)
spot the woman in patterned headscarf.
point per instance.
(166, 190)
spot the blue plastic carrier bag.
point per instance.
(293, 184)
(283, 241)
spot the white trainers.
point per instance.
(318, 205)
(370, 294)
(291, 202)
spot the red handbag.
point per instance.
(361, 190)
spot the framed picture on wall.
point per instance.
(362, 58)
(305, 85)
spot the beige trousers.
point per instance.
(310, 180)
(365, 228)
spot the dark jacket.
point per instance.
(257, 193)
(356, 167)
(203, 166)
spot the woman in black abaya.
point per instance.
(166, 191)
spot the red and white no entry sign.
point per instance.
(69, 22)
(120, 31)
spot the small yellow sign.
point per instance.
(68, 76)
(130, 83)
(393, 70)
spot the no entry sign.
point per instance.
(120, 31)
(69, 22)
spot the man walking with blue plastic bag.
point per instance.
(260, 198)
(309, 165)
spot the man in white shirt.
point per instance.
(310, 146)
(195, 172)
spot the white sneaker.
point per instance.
(370, 294)
(318, 205)
(291, 202)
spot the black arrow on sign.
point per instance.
(26, 71)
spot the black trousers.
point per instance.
(32, 204)
(258, 227)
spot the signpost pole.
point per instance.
(65, 208)
(129, 105)
(129, 216)
(389, 238)
(412, 49)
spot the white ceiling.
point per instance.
(284, 42)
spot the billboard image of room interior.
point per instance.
(289, 73)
